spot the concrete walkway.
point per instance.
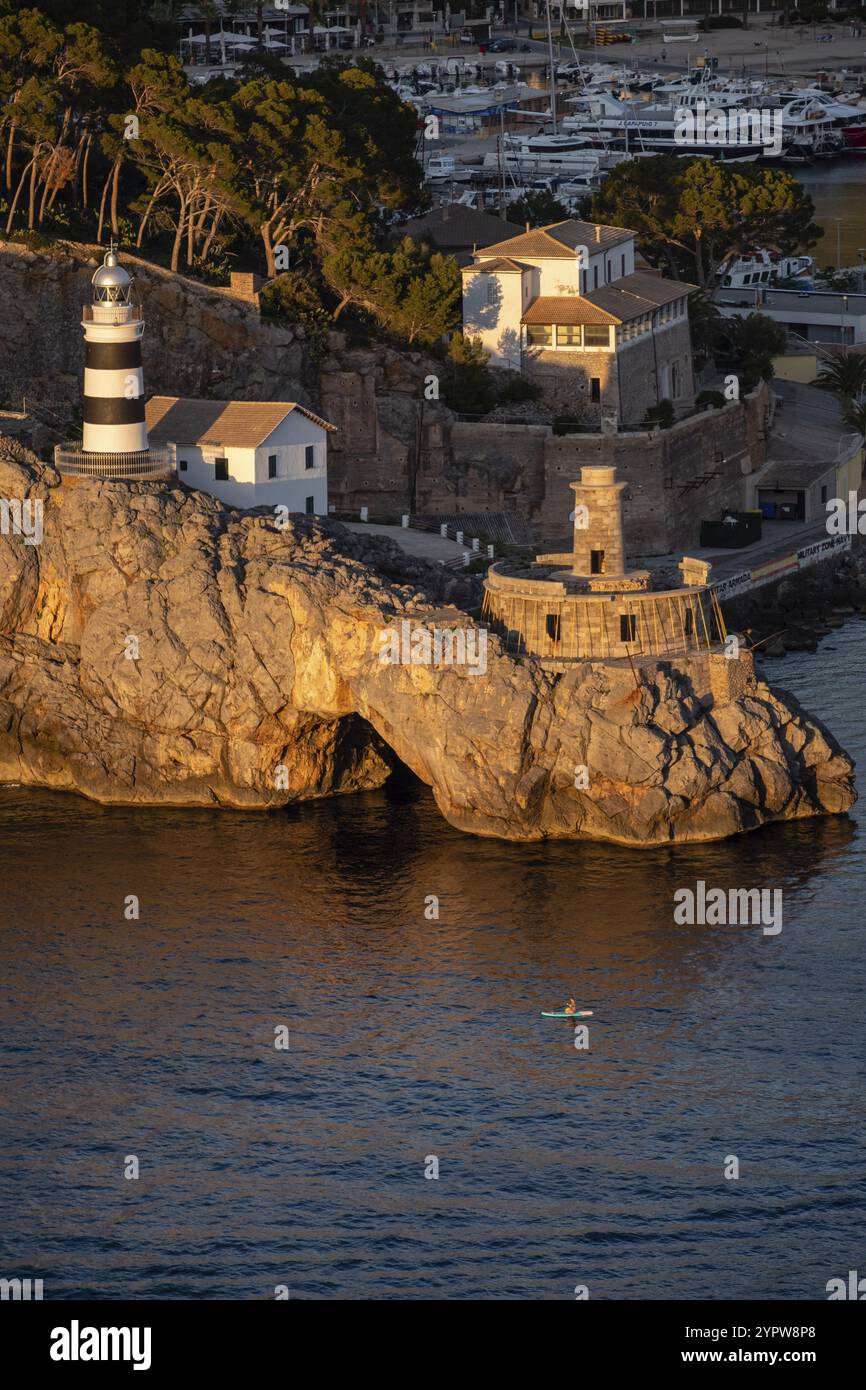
(779, 538)
(424, 545)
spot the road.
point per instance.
(424, 545)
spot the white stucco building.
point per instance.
(246, 453)
(564, 305)
(562, 265)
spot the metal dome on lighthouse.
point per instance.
(111, 283)
(114, 443)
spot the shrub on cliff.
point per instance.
(660, 416)
(518, 389)
(713, 398)
(296, 298)
(468, 386)
(413, 293)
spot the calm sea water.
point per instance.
(838, 190)
(411, 1038)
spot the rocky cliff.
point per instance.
(160, 647)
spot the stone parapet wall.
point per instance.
(533, 620)
(676, 478)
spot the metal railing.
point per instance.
(509, 528)
(72, 459)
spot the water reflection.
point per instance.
(412, 1037)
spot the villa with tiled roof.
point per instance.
(565, 306)
(246, 453)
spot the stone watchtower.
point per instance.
(586, 605)
(598, 542)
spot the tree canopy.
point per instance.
(690, 214)
(280, 168)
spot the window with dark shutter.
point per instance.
(272, 465)
(627, 627)
(221, 470)
(310, 456)
(311, 506)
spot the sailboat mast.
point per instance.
(552, 72)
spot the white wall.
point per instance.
(560, 275)
(496, 319)
(248, 484)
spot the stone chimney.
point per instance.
(245, 285)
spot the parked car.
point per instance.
(502, 46)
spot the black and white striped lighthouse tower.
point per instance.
(114, 444)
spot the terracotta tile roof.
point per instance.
(498, 263)
(574, 233)
(635, 295)
(232, 424)
(455, 226)
(568, 308)
(560, 239)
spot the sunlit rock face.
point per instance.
(158, 647)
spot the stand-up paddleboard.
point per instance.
(581, 1013)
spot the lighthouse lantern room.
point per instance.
(114, 443)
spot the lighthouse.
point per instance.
(114, 443)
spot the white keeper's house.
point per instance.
(566, 306)
(246, 453)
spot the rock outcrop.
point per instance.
(158, 647)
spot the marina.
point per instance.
(504, 124)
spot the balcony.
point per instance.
(150, 465)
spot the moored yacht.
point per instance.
(746, 269)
